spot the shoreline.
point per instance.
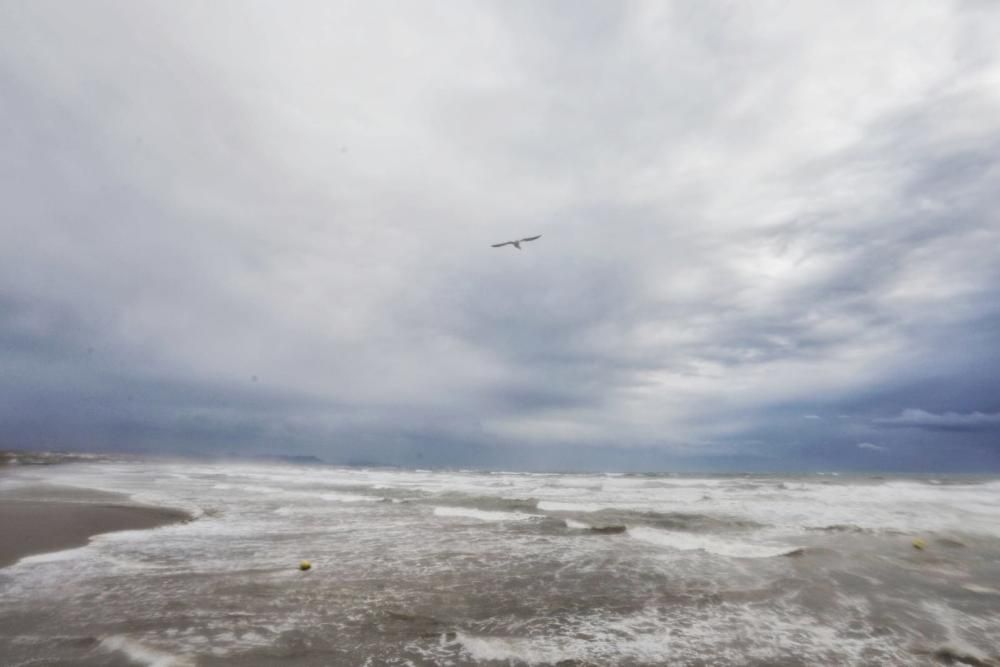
(43, 518)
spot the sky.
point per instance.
(770, 232)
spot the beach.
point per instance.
(420, 567)
(36, 519)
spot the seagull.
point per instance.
(516, 244)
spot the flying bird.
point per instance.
(516, 244)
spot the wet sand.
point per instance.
(40, 519)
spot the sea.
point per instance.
(420, 567)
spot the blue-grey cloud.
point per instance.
(916, 418)
(748, 216)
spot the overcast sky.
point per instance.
(771, 236)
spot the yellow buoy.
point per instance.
(919, 544)
(305, 565)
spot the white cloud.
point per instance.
(873, 447)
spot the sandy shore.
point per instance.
(43, 518)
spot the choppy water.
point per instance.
(450, 568)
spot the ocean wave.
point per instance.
(349, 498)
(686, 521)
(608, 530)
(840, 528)
(726, 634)
(600, 529)
(559, 506)
(482, 515)
(486, 503)
(710, 543)
(693, 521)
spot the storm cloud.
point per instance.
(266, 227)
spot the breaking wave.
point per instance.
(482, 515)
(719, 546)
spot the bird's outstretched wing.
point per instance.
(532, 238)
(500, 245)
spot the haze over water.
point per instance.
(438, 568)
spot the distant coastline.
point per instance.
(14, 457)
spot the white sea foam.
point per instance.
(961, 629)
(730, 547)
(576, 525)
(483, 515)
(558, 506)
(761, 636)
(142, 654)
(349, 498)
(73, 554)
(518, 649)
(983, 590)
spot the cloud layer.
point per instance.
(915, 418)
(259, 227)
